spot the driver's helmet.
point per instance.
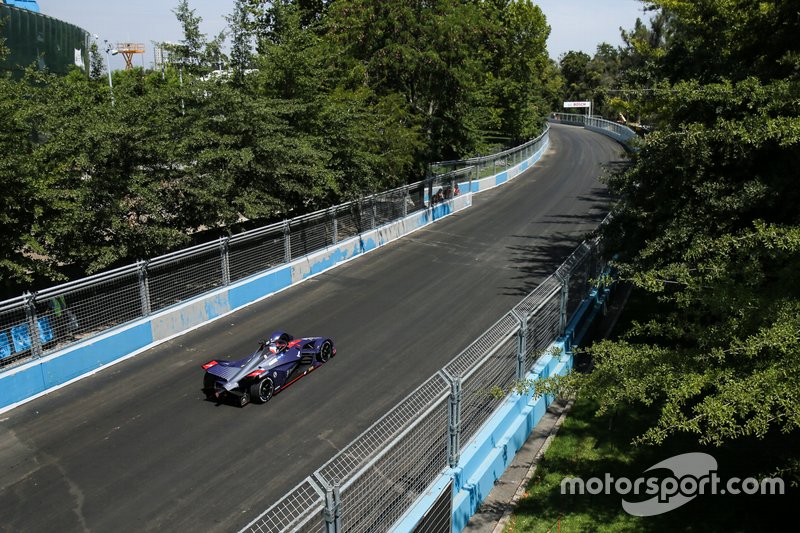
(278, 342)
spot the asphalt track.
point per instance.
(135, 447)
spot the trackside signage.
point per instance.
(693, 474)
(572, 105)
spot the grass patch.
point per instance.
(588, 446)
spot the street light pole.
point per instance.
(108, 62)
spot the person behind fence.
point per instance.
(456, 191)
(65, 318)
(438, 197)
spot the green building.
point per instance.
(33, 38)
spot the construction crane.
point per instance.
(127, 50)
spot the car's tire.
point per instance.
(325, 352)
(209, 384)
(262, 391)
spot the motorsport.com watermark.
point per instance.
(693, 474)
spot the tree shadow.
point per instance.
(594, 447)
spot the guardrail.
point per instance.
(614, 130)
(372, 483)
(80, 310)
(494, 164)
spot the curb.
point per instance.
(501, 524)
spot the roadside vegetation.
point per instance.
(707, 231)
(588, 446)
(315, 103)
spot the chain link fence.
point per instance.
(493, 164)
(303, 509)
(372, 482)
(40, 323)
(615, 130)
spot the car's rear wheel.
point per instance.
(209, 386)
(262, 391)
(325, 352)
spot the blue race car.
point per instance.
(276, 364)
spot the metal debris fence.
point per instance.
(615, 130)
(490, 165)
(72, 312)
(372, 482)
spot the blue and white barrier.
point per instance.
(620, 133)
(484, 184)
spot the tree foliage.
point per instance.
(708, 227)
(320, 102)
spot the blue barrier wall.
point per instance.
(484, 184)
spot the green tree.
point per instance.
(191, 46)
(97, 68)
(195, 52)
(213, 57)
(596, 78)
(20, 187)
(709, 230)
(575, 70)
(110, 171)
(3, 48)
(241, 56)
(517, 66)
(427, 52)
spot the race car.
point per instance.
(277, 363)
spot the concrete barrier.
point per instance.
(484, 184)
(620, 133)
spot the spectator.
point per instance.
(66, 321)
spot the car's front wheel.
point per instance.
(325, 352)
(262, 391)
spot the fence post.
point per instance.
(562, 322)
(225, 260)
(454, 420)
(33, 324)
(522, 345)
(405, 202)
(374, 211)
(333, 520)
(144, 287)
(287, 242)
(334, 225)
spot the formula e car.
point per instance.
(277, 363)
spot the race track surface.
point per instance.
(136, 447)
